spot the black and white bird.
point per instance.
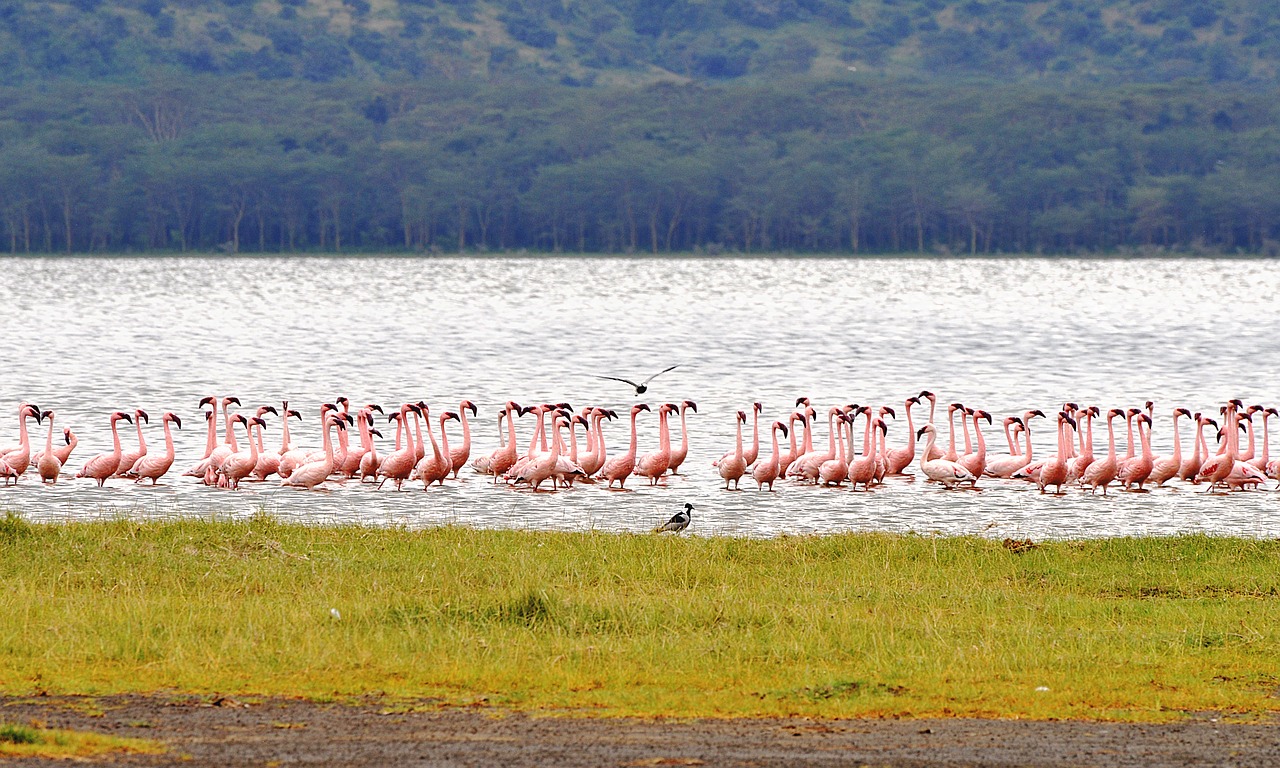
(678, 522)
(643, 386)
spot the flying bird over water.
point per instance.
(643, 386)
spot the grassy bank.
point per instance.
(838, 625)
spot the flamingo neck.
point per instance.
(115, 440)
(1111, 438)
(737, 450)
(168, 440)
(631, 452)
(911, 429)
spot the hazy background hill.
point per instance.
(611, 42)
(639, 125)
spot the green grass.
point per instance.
(848, 625)
(33, 741)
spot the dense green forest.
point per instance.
(639, 125)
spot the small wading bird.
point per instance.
(678, 522)
(643, 386)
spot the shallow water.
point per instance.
(88, 336)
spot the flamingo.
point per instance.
(1080, 463)
(1191, 467)
(654, 465)
(1054, 471)
(104, 465)
(1102, 472)
(435, 468)
(48, 465)
(269, 461)
(862, 469)
(1216, 468)
(901, 458)
(933, 404)
(240, 464)
(976, 462)
(129, 458)
(836, 471)
(17, 459)
(504, 456)
(619, 468)
(543, 466)
(1263, 462)
(1016, 466)
(806, 467)
(567, 469)
(734, 466)
(751, 454)
(228, 446)
(1164, 470)
(154, 466)
(951, 454)
(1138, 469)
(313, 473)
(211, 437)
(458, 458)
(594, 460)
(942, 471)
(1014, 457)
(764, 473)
(296, 457)
(397, 466)
(784, 461)
(678, 454)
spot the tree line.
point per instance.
(195, 163)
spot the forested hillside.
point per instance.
(638, 125)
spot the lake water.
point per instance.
(87, 336)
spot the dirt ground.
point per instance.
(225, 732)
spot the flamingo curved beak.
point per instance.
(206, 401)
(174, 418)
(474, 410)
(920, 432)
(891, 412)
(375, 432)
(271, 409)
(235, 400)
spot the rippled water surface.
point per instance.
(86, 336)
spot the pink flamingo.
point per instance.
(1080, 463)
(1054, 471)
(933, 404)
(862, 470)
(595, 459)
(1013, 465)
(48, 465)
(268, 461)
(1138, 469)
(951, 454)
(734, 466)
(313, 473)
(154, 466)
(228, 446)
(901, 458)
(129, 458)
(542, 466)
(503, 457)
(533, 450)
(976, 462)
(25, 410)
(836, 471)
(398, 465)
(653, 465)
(806, 467)
(751, 454)
(784, 461)
(1102, 472)
(211, 437)
(1164, 470)
(1191, 466)
(17, 459)
(460, 455)
(241, 464)
(678, 454)
(296, 457)
(619, 468)
(436, 467)
(1263, 462)
(63, 451)
(104, 465)
(1217, 467)
(949, 473)
(764, 473)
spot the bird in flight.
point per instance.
(678, 522)
(643, 386)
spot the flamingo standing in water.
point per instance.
(269, 461)
(313, 473)
(765, 472)
(806, 467)
(785, 460)
(1102, 472)
(1217, 467)
(240, 464)
(619, 468)
(862, 470)
(976, 462)
(595, 458)
(398, 465)
(435, 468)
(901, 458)
(501, 459)
(211, 437)
(1054, 471)
(63, 450)
(654, 465)
(129, 458)
(1136, 471)
(678, 454)
(17, 459)
(104, 465)
(458, 457)
(542, 466)
(1165, 469)
(1263, 462)
(48, 465)
(836, 471)
(1191, 467)
(949, 473)
(734, 466)
(750, 455)
(228, 446)
(154, 466)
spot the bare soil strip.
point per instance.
(286, 732)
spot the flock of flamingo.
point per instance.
(563, 459)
